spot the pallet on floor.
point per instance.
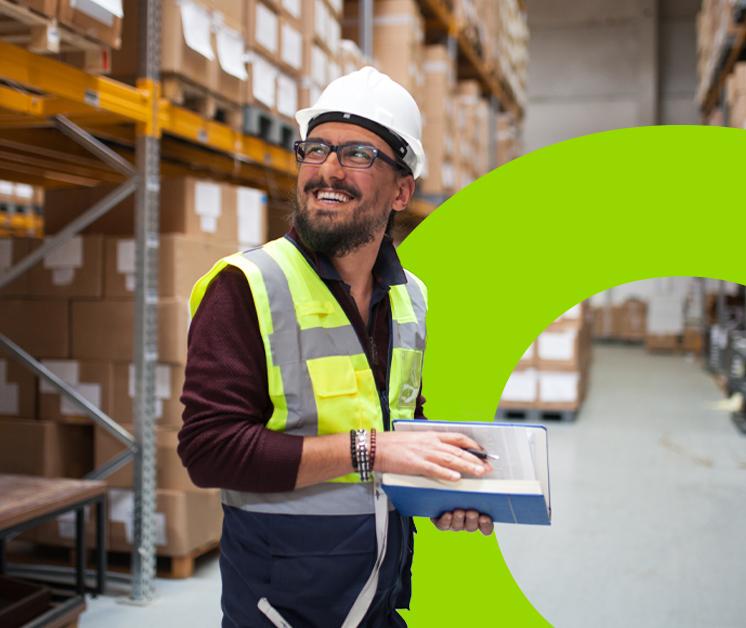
(185, 93)
(535, 415)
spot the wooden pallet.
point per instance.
(199, 99)
(261, 123)
(535, 415)
(42, 34)
(173, 567)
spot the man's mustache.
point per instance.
(318, 184)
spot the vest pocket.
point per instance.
(332, 376)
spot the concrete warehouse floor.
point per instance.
(649, 501)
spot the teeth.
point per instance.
(332, 196)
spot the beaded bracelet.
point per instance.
(372, 448)
(363, 460)
(353, 448)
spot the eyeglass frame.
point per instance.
(334, 148)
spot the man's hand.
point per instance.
(437, 455)
(469, 520)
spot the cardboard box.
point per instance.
(103, 330)
(692, 340)
(262, 27)
(182, 261)
(229, 43)
(561, 349)
(17, 390)
(74, 269)
(184, 520)
(666, 343)
(186, 42)
(93, 20)
(41, 327)
(561, 391)
(12, 251)
(45, 7)
(189, 206)
(93, 380)
(170, 472)
(633, 323)
(521, 387)
(169, 382)
(45, 448)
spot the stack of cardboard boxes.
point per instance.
(626, 321)
(20, 213)
(74, 311)
(552, 376)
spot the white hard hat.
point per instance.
(373, 100)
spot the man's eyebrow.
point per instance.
(353, 141)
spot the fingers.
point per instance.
(459, 440)
(469, 520)
(458, 460)
(486, 526)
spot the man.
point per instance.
(301, 353)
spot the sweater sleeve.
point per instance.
(224, 441)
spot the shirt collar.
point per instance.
(387, 269)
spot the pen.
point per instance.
(482, 455)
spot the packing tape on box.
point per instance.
(196, 27)
(231, 48)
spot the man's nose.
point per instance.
(331, 168)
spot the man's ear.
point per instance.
(404, 191)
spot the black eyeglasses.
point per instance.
(350, 155)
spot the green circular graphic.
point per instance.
(507, 255)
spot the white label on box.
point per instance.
(207, 204)
(6, 253)
(25, 191)
(558, 387)
(264, 81)
(292, 46)
(556, 345)
(67, 255)
(334, 71)
(129, 282)
(66, 523)
(319, 64)
(196, 26)
(121, 510)
(91, 392)
(7, 188)
(287, 95)
(158, 408)
(266, 27)
(126, 257)
(162, 381)
(67, 370)
(448, 175)
(320, 16)
(63, 276)
(9, 402)
(231, 49)
(666, 314)
(292, 7)
(252, 206)
(521, 386)
(333, 34)
(103, 11)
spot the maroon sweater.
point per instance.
(224, 442)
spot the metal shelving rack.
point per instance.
(63, 127)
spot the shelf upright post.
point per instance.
(146, 304)
(365, 26)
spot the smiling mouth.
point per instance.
(332, 197)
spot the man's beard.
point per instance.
(335, 238)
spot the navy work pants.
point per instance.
(311, 568)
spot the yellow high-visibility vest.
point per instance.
(319, 378)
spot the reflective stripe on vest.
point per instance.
(319, 379)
